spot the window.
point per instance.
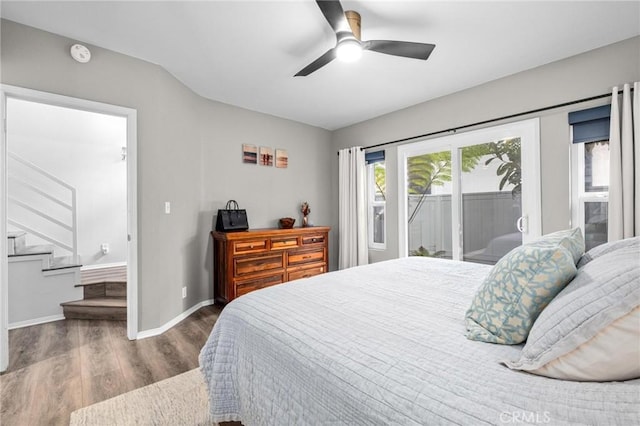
(377, 193)
(468, 196)
(590, 173)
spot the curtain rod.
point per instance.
(479, 123)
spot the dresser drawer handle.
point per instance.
(306, 257)
(251, 246)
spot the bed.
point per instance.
(385, 344)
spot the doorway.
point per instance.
(473, 196)
(12, 97)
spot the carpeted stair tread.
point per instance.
(113, 302)
(106, 281)
(62, 262)
(34, 250)
(96, 308)
(15, 234)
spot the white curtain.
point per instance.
(624, 179)
(352, 228)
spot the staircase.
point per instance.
(42, 205)
(43, 287)
(106, 300)
(38, 281)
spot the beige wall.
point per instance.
(189, 153)
(578, 77)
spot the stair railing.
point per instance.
(69, 227)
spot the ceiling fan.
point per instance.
(349, 47)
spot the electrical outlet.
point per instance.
(184, 292)
(167, 207)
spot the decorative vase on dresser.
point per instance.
(258, 258)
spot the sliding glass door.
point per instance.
(470, 196)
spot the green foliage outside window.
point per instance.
(380, 175)
(429, 170)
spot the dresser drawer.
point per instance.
(250, 246)
(284, 243)
(298, 258)
(306, 272)
(313, 239)
(253, 264)
(244, 287)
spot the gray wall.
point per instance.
(189, 149)
(577, 77)
(189, 153)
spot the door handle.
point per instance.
(521, 224)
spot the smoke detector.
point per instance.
(80, 53)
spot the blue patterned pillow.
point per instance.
(571, 239)
(519, 287)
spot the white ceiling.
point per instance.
(245, 53)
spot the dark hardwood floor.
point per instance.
(58, 367)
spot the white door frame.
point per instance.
(7, 91)
(527, 130)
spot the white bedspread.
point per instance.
(384, 344)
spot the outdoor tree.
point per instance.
(429, 170)
(380, 176)
(507, 152)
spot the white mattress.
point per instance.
(384, 344)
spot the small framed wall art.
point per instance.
(266, 156)
(282, 159)
(249, 154)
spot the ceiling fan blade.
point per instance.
(406, 49)
(332, 11)
(323, 60)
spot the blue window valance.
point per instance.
(591, 125)
(374, 157)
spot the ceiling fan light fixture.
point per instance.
(349, 47)
(349, 50)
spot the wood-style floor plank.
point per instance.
(56, 395)
(17, 390)
(25, 346)
(132, 358)
(96, 352)
(98, 387)
(58, 367)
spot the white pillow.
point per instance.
(589, 331)
(605, 248)
(612, 354)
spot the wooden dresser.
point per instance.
(250, 260)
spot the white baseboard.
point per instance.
(157, 331)
(35, 321)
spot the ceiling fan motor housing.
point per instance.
(353, 18)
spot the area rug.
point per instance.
(179, 400)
